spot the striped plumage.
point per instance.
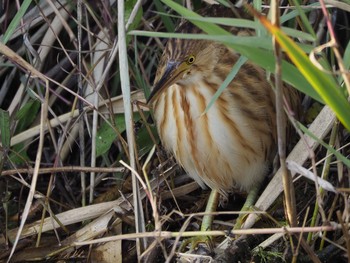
(233, 143)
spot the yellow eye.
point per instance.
(190, 60)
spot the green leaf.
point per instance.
(18, 155)
(168, 23)
(5, 131)
(259, 56)
(210, 28)
(346, 61)
(337, 154)
(143, 141)
(27, 114)
(244, 23)
(304, 19)
(5, 134)
(264, 42)
(251, 41)
(240, 62)
(346, 58)
(250, 48)
(129, 6)
(15, 21)
(107, 134)
(294, 13)
(324, 84)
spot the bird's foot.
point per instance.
(241, 218)
(198, 244)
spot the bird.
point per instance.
(232, 144)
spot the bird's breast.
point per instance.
(219, 147)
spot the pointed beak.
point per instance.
(172, 73)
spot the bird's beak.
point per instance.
(172, 73)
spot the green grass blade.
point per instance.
(251, 41)
(346, 58)
(244, 23)
(250, 49)
(15, 21)
(240, 62)
(168, 23)
(337, 154)
(304, 19)
(263, 58)
(211, 28)
(294, 13)
(324, 84)
(5, 129)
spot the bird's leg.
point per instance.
(212, 204)
(208, 218)
(249, 202)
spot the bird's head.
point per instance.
(187, 61)
(183, 61)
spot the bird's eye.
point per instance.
(190, 60)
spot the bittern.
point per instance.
(233, 143)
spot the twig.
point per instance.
(64, 169)
(288, 186)
(43, 119)
(344, 72)
(252, 231)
